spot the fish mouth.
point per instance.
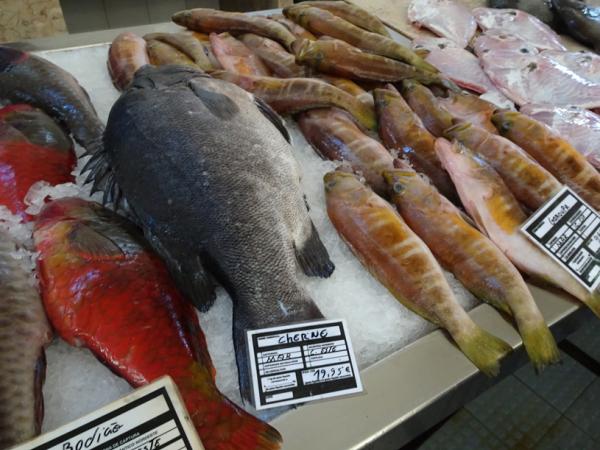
(398, 179)
(335, 178)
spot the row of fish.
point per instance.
(411, 122)
(517, 57)
(131, 287)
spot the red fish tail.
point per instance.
(220, 423)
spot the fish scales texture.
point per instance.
(530, 183)
(578, 126)
(323, 22)
(24, 332)
(497, 212)
(401, 129)
(353, 14)
(402, 262)
(293, 95)
(26, 78)
(128, 311)
(554, 153)
(479, 265)
(229, 202)
(208, 20)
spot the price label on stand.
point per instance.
(303, 362)
(568, 229)
(151, 418)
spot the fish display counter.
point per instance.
(413, 375)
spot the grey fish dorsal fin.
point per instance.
(220, 105)
(273, 117)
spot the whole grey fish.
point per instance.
(26, 78)
(24, 332)
(216, 190)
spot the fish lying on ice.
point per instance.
(353, 14)
(335, 136)
(401, 129)
(293, 95)
(128, 312)
(322, 22)
(206, 20)
(490, 203)
(580, 127)
(446, 18)
(551, 151)
(396, 256)
(127, 53)
(529, 182)
(336, 57)
(477, 263)
(230, 207)
(26, 78)
(24, 333)
(518, 23)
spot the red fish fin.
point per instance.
(220, 423)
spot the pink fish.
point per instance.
(235, 57)
(579, 126)
(526, 76)
(586, 64)
(519, 23)
(446, 18)
(443, 55)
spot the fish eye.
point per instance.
(398, 188)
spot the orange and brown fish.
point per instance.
(530, 183)
(126, 54)
(335, 136)
(278, 59)
(554, 153)
(103, 288)
(401, 261)
(236, 57)
(402, 130)
(477, 263)
(422, 101)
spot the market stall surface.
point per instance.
(556, 411)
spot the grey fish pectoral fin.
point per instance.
(275, 118)
(218, 104)
(313, 256)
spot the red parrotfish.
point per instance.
(32, 148)
(103, 288)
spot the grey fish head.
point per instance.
(152, 77)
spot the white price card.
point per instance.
(302, 362)
(151, 418)
(568, 229)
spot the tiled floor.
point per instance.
(557, 410)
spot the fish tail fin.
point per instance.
(593, 302)
(540, 345)
(220, 422)
(483, 349)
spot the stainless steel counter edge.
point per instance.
(416, 387)
(411, 389)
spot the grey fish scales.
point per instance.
(217, 192)
(24, 332)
